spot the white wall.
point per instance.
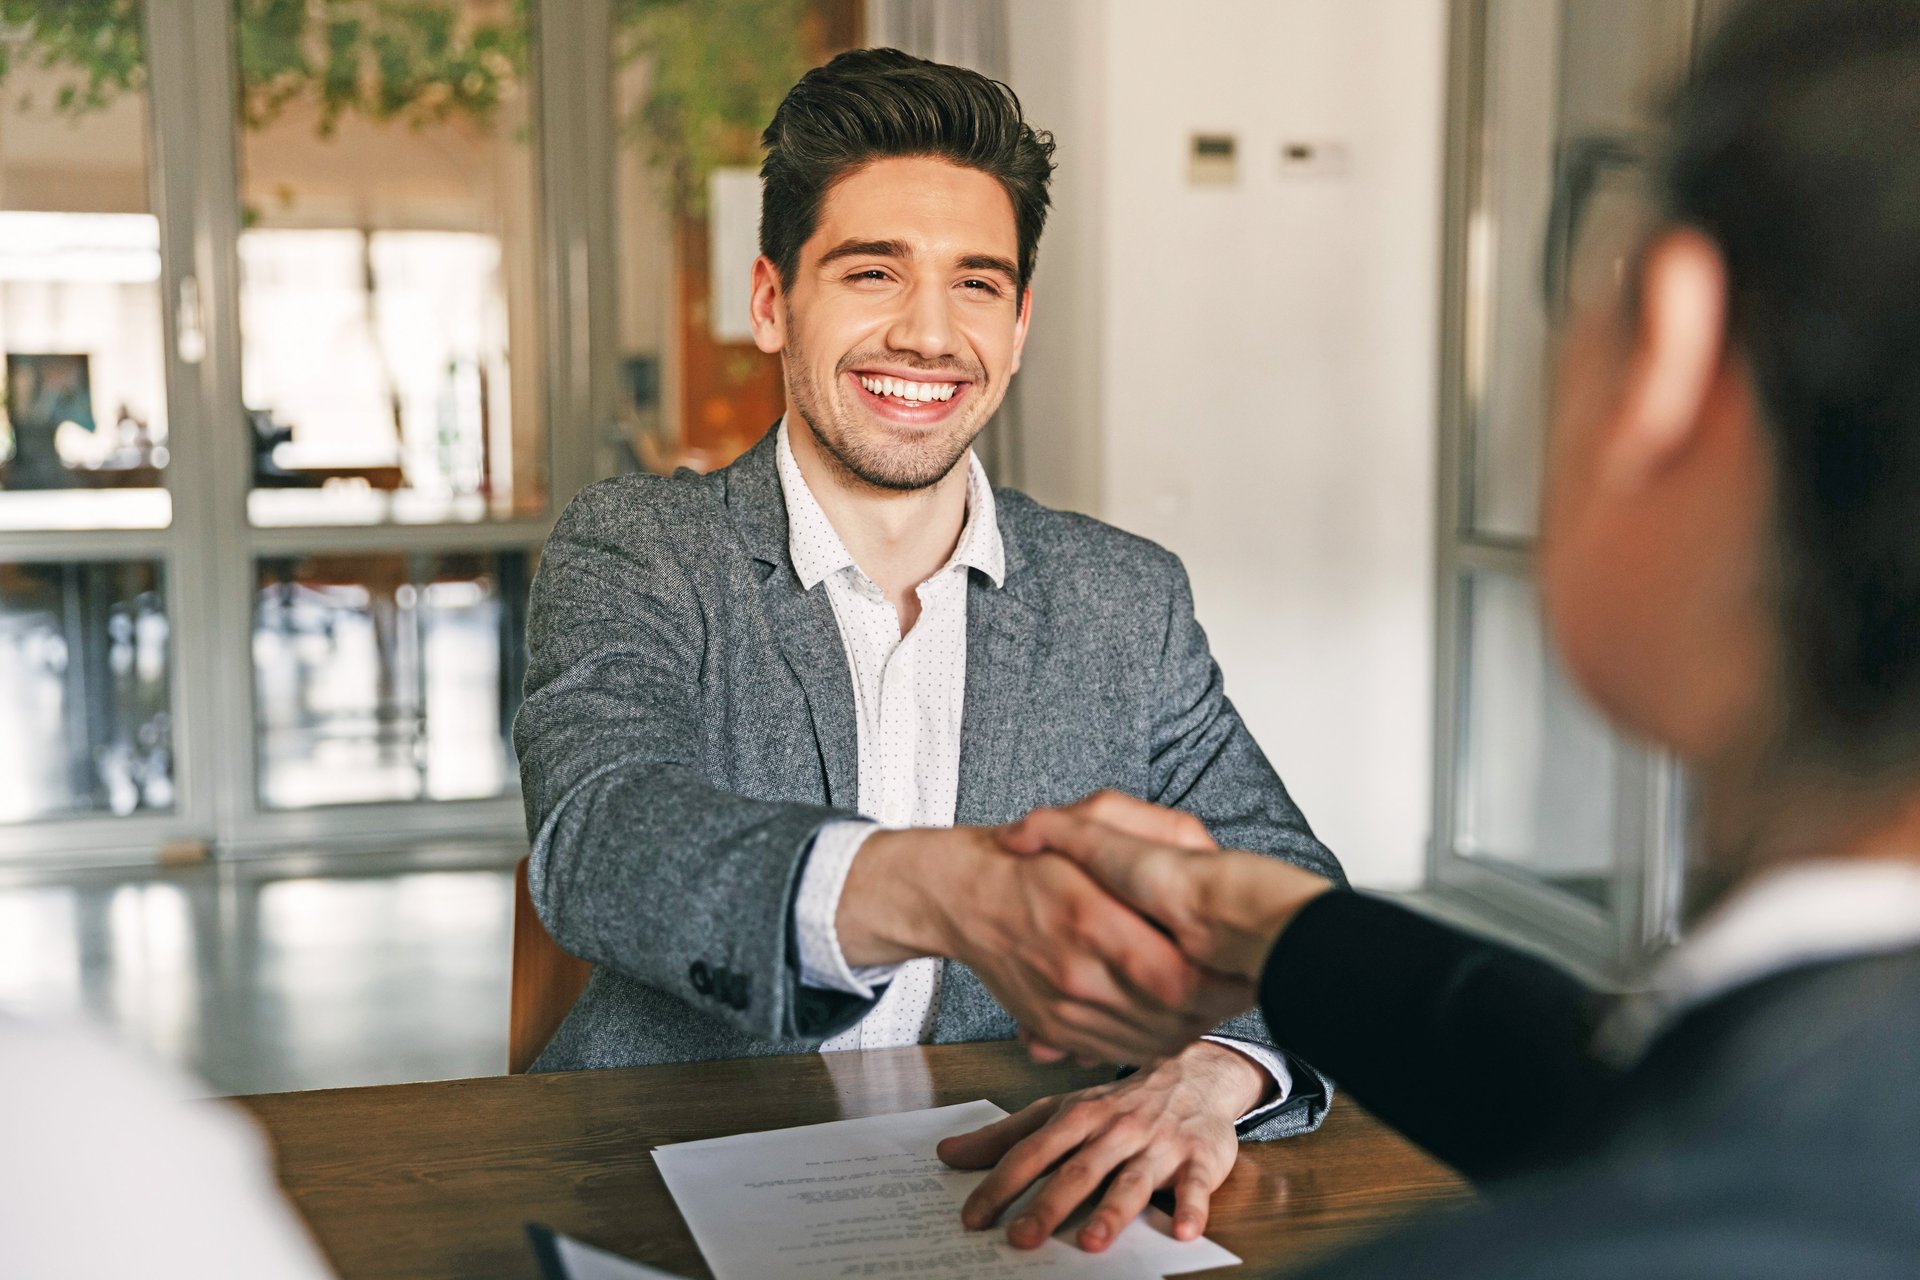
(1246, 373)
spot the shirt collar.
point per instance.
(1784, 919)
(818, 553)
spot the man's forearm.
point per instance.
(673, 882)
(902, 893)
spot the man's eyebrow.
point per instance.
(865, 249)
(898, 249)
(987, 262)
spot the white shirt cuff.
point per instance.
(1270, 1060)
(816, 910)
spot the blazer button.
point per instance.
(701, 977)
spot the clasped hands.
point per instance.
(1114, 931)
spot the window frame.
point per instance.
(209, 553)
(1650, 799)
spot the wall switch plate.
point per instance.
(1213, 159)
(1314, 158)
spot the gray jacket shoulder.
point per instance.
(1086, 563)
(667, 512)
(1054, 534)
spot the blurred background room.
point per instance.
(315, 313)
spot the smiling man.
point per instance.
(774, 714)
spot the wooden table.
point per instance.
(435, 1180)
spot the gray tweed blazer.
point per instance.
(689, 725)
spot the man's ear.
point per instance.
(1678, 351)
(1020, 326)
(769, 316)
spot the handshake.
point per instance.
(1113, 930)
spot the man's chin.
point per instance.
(888, 457)
(904, 475)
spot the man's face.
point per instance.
(904, 321)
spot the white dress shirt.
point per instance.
(909, 693)
(1797, 915)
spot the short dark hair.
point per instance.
(871, 104)
(1795, 147)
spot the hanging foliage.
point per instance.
(419, 61)
(96, 45)
(717, 68)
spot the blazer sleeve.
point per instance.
(1475, 1051)
(639, 863)
(1205, 761)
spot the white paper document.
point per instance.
(868, 1198)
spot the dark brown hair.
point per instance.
(871, 104)
(1794, 148)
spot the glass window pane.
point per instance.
(388, 677)
(388, 296)
(1554, 72)
(83, 432)
(1509, 226)
(1536, 782)
(85, 690)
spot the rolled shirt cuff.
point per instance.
(1270, 1060)
(816, 910)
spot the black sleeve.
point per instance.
(1475, 1051)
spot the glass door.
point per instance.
(313, 317)
(275, 463)
(388, 434)
(1543, 818)
(98, 368)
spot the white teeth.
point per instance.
(917, 392)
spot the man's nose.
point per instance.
(924, 324)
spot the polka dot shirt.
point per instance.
(908, 695)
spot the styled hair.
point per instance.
(871, 104)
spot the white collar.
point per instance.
(1794, 916)
(818, 552)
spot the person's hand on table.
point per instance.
(1171, 1125)
(1224, 908)
(1083, 972)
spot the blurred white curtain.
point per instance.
(965, 33)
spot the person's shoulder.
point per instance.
(1069, 547)
(644, 504)
(679, 523)
(1754, 1207)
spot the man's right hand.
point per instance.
(1076, 968)
(1225, 909)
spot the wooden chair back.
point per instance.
(546, 980)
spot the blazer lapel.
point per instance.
(1003, 631)
(809, 638)
(802, 621)
(1003, 642)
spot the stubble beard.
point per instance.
(867, 453)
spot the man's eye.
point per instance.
(982, 286)
(872, 273)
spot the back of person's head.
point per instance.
(874, 104)
(1796, 148)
